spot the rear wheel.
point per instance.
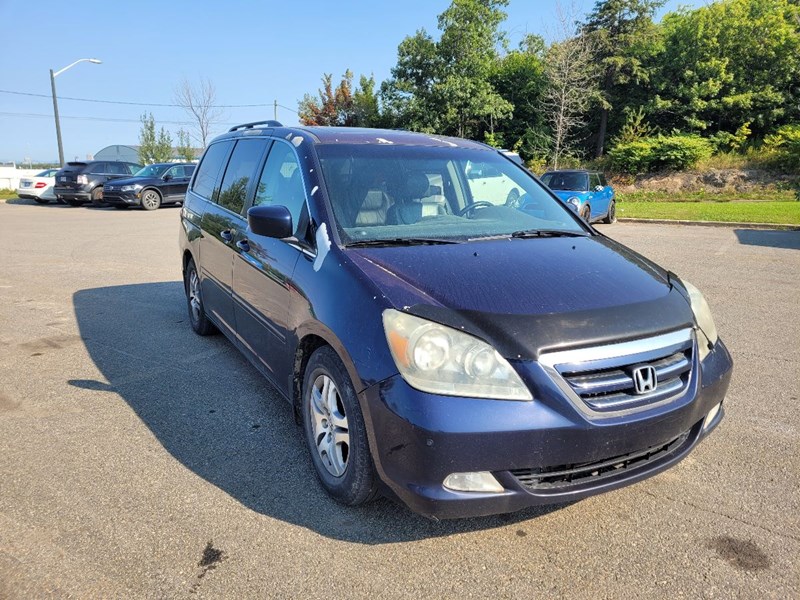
(611, 217)
(194, 300)
(97, 197)
(151, 199)
(335, 430)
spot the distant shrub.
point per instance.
(785, 143)
(661, 153)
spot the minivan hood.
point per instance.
(527, 295)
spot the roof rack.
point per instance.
(254, 123)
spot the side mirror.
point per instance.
(273, 221)
(167, 177)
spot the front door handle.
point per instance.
(243, 245)
(226, 235)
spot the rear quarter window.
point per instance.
(206, 183)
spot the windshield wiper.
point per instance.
(531, 233)
(400, 242)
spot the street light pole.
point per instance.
(58, 123)
(53, 76)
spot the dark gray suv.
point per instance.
(80, 182)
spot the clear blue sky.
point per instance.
(254, 52)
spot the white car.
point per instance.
(39, 188)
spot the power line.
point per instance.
(108, 120)
(16, 93)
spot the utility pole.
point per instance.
(58, 123)
(275, 111)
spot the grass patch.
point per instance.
(785, 213)
(5, 194)
(762, 195)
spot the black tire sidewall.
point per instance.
(357, 485)
(201, 326)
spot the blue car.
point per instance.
(585, 192)
(445, 331)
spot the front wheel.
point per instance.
(335, 431)
(151, 199)
(97, 197)
(611, 216)
(586, 214)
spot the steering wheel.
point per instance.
(512, 200)
(473, 207)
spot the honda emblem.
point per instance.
(645, 379)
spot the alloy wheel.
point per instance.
(329, 424)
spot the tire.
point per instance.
(74, 202)
(151, 199)
(41, 200)
(611, 217)
(586, 214)
(97, 197)
(344, 468)
(194, 302)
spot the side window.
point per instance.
(116, 168)
(98, 167)
(241, 168)
(594, 181)
(206, 183)
(281, 182)
(603, 180)
(174, 172)
(188, 170)
(133, 168)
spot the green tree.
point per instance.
(443, 86)
(184, 148)
(147, 139)
(624, 35)
(162, 152)
(729, 63)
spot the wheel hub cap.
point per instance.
(329, 424)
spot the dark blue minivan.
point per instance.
(447, 332)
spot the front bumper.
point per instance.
(418, 439)
(126, 198)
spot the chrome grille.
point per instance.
(600, 380)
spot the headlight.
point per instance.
(574, 203)
(440, 360)
(131, 188)
(702, 315)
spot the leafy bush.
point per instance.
(661, 153)
(785, 143)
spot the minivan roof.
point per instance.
(360, 135)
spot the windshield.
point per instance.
(573, 182)
(151, 171)
(390, 192)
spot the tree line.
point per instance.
(612, 84)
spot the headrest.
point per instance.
(374, 200)
(417, 186)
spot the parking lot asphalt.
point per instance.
(140, 460)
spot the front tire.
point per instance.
(335, 430)
(151, 200)
(194, 302)
(611, 217)
(97, 197)
(586, 214)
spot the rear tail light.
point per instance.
(82, 179)
(40, 184)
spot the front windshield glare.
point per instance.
(392, 192)
(151, 171)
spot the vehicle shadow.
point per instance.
(774, 238)
(213, 412)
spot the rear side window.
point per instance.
(281, 183)
(116, 168)
(241, 169)
(206, 183)
(96, 168)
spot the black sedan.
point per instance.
(150, 187)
